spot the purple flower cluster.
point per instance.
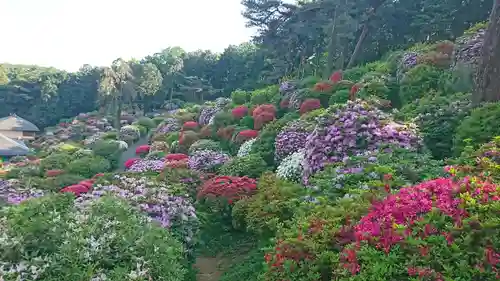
(470, 48)
(168, 125)
(206, 114)
(12, 194)
(207, 160)
(173, 212)
(291, 139)
(409, 60)
(352, 129)
(286, 86)
(142, 165)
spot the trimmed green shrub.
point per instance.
(146, 122)
(240, 97)
(55, 161)
(252, 165)
(89, 166)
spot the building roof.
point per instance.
(10, 147)
(16, 123)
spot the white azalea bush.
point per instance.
(246, 147)
(291, 167)
(129, 133)
(52, 238)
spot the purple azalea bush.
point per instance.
(207, 160)
(154, 199)
(291, 139)
(470, 48)
(286, 87)
(206, 114)
(12, 193)
(143, 165)
(168, 125)
(353, 129)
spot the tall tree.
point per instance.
(487, 80)
(115, 87)
(148, 82)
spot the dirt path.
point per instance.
(209, 268)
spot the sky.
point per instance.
(69, 33)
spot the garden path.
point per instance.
(130, 152)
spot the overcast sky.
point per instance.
(69, 33)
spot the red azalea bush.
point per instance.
(309, 105)
(263, 114)
(227, 187)
(176, 157)
(246, 135)
(322, 87)
(354, 90)
(239, 111)
(76, 189)
(142, 149)
(190, 125)
(177, 164)
(434, 230)
(130, 162)
(336, 76)
(54, 173)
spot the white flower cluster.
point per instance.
(246, 147)
(291, 167)
(130, 131)
(92, 139)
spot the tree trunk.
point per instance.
(330, 64)
(118, 116)
(364, 33)
(487, 80)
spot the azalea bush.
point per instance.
(89, 166)
(291, 139)
(352, 129)
(143, 165)
(207, 160)
(251, 165)
(274, 202)
(438, 229)
(418, 81)
(291, 167)
(204, 144)
(55, 161)
(246, 148)
(385, 169)
(156, 200)
(82, 242)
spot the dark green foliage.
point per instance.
(419, 81)
(89, 166)
(480, 127)
(247, 122)
(251, 166)
(55, 161)
(240, 97)
(146, 122)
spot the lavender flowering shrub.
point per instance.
(12, 192)
(156, 200)
(286, 87)
(291, 139)
(352, 129)
(207, 160)
(51, 238)
(168, 125)
(206, 114)
(470, 48)
(143, 165)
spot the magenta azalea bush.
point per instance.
(352, 129)
(291, 139)
(207, 160)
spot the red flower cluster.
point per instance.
(79, 188)
(354, 90)
(263, 114)
(322, 87)
(142, 149)
(309, 105)
(53, 173)
(177, 164)
(240, 111)
(176, 157)
(287, 252)
(130, 162)
(189, 125)
(246, 135)
(228, 187)
(336, 76)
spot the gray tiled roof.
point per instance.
(10, 147)
(16, 123)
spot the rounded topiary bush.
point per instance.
(204, 144)
(89, 166)
(251, 166)
(480, 127)
(55, 161)
(147, 123)
(86, 242)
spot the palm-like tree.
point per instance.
(116, 87)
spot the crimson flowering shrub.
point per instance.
(309, 105)
(190, 125)
(246, 135)
(336, 76)
(142, 150)
(442, 229)
(231, 189)
(322, 87)
(263, 114)
(352, 129)
(130, 162)
(239, 111)
(176, 157)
